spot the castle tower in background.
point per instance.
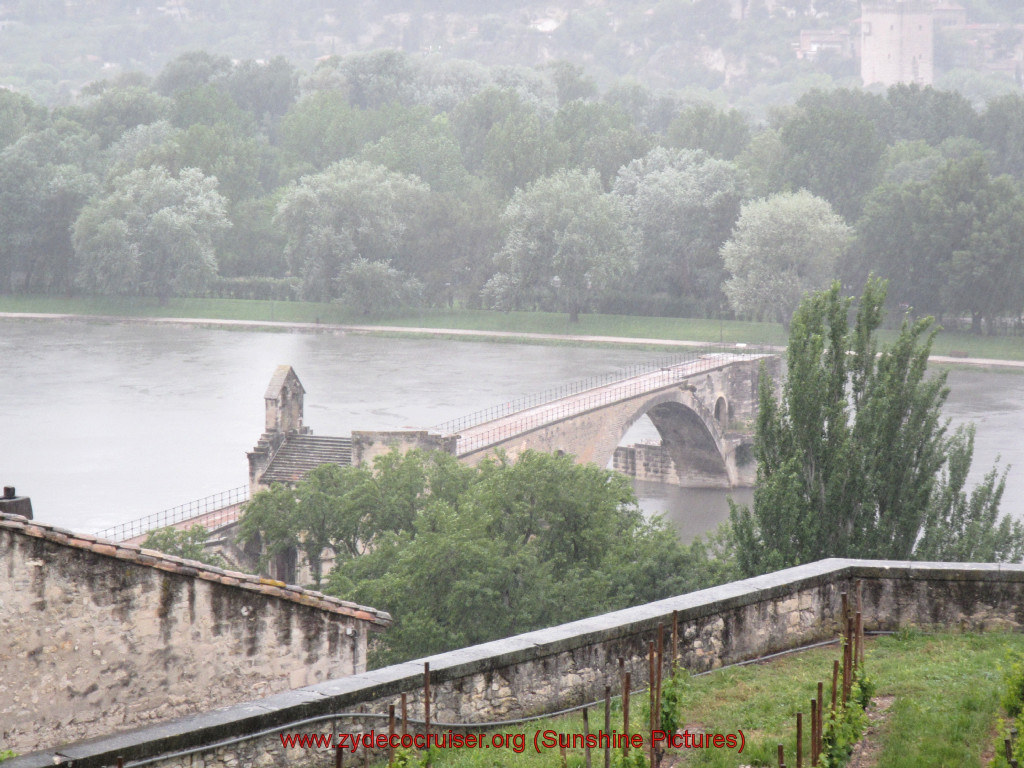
(897, 42)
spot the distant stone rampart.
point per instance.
(570, 664)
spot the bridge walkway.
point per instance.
(479, 437)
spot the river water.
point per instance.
(104, 423)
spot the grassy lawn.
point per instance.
(729, 331)
(946, 690)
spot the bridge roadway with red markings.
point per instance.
(480, 436)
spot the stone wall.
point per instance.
(96, 636)
(569, 664)
(366, 445)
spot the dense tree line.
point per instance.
(381, 180)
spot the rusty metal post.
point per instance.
(799, 740)
(586, 737)
(782, 760)
(835, 682)
(859, 660)
(625, 715)
(608, 726)
(650, 682)
(339, 758)
(846, 673)
(858, 640)
(844, 611)
(391, 733)
(675, 639)
(661, 664)
(814, 732)
(426, 700)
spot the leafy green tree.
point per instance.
(683, 205)
(929, 114)
(115, 110)
(46, 178)
(1001, 129)
(210, 104)
(244, 166)
(351, 210)
(717, 132)
(507, 547)
(265, 89)
(190, 70)
(597, 135)
(947, 243)
(428, 151)
(571, 83)
(503, 138)
(782, 247)
(518, 150)
(833, 143)
(152, 235)
(566, 241)
(375, 287)
(18, 113)
(323, 128)
(346, 509)
(850, 462)
(378, 78)
(186, 543)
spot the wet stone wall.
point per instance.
(570, 664)
(98, 637)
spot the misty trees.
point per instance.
(832, 144)
(350, 210)
(948, 243)
(152, 235)
(683, 205)
(782, 247)
(45, 179)
(566, 241)
(855, 461)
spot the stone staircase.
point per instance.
(300, 454)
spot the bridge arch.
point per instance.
(692, 436)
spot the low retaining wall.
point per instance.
(569, 664)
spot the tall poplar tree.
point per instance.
(856, 459)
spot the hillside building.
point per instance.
(897, 42)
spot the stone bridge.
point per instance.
(703, 408)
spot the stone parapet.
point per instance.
(570, 664)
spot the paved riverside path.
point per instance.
(448, 332)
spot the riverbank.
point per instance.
(520, 327)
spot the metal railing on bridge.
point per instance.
(575, 387)
(538, 411)
(180, 513)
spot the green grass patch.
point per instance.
(628, 326)
(946, 690)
